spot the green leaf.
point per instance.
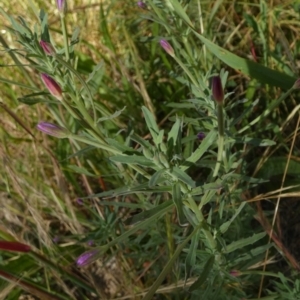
(151, 123)
(180, 11)
(80, 170)
(157, 211)
(177, 199)
(155, 177)
(173, 134)
(205, 144)
(200, 190)
(253, 141)
(94, 80)
(132, 160)
(191, 255)
(113, 116)
(244, 242)
(276, 166)
(167, 268)
(119, 146)
(250, 68)
(224, 227)
(182, 176)
(206, 270)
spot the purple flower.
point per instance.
(54, 130)
(167, 47)
(141, 5)
(52, 86)
(217, 89)
(79, 201)
(90, 243)
(61, 6)
(200, 136)
(56, 239)
(87, 258)
(47, 48)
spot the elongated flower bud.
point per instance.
(86, 258)
(14, 246)
(53, 129)
(217, 89)
(235, 273)
(61, 6)
(47, 48)
(297, 84)
(52, 86)
(167, 47)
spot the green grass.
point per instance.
(162, 215)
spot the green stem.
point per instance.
(186, 70)
(65, 36)
(84, 84)
(221, 138)
(197, 211)
(95, 143)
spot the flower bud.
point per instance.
(54, 130)
(200, 136)
(86, 258)
(141, 5)
(235, 273)
(61, 6)
(90, 243)
(297, 84)
(217, 89)
(167, 47)
(79, 201)
(14, 246)
(47, 48)
(52, 86)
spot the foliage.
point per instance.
(163, 164)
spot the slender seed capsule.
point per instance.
(14, 246)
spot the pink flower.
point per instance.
(141, 5)
(61, 6)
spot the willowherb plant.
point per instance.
(160, 174)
